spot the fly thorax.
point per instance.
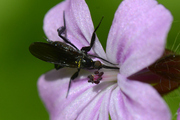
(87, 62)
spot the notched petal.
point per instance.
(138, 35)
(53, 20)
(140, 101)
(53, 89)
(78, 23)
(83, 97)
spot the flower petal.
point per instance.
(53, 88)
(137, 101)
(98, 107)
(78, 22)
(138, 34)
(53, 20)
(117, 108)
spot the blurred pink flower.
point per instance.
(136, 40)
(178, 114)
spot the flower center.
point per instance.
(106, 75)
(96, 77)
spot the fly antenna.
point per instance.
(109, 67)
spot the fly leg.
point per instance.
(75, 75)
(93, 38)
(62, 30)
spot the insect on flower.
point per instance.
(68, 55)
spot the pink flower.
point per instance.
(178, 114)
(136, 40)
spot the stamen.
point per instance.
(96, 78)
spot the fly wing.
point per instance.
(64, 56)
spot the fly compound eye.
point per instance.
(97, 65)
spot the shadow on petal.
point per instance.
(65, 73)
(59, 74)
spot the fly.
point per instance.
(66, 54)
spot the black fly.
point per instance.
(68, 55)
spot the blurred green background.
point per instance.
(20, 25)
